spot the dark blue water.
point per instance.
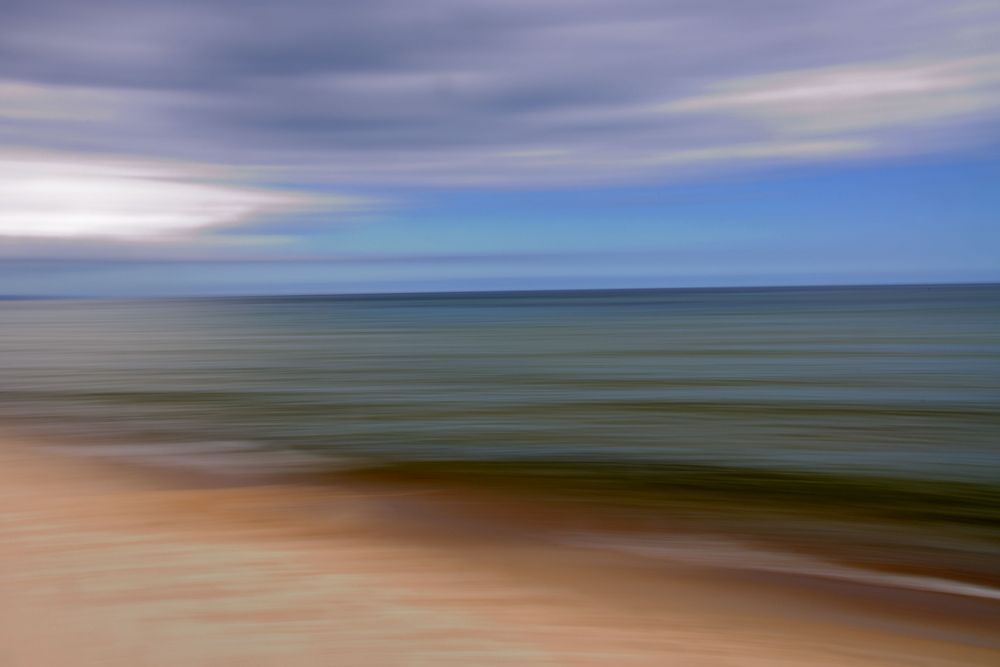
(904, 379)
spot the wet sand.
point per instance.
(103, 565)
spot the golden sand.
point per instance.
(102, 567)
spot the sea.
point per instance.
(836, 383)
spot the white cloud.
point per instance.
(765, 151)
(855, 97)
(59, 196)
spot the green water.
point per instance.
(898, 380)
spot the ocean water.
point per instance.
(899, 380)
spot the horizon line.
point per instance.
(460, 292)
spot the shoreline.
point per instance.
(907, 533)
(123, 567)
(443, 499)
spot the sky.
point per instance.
(217, 147)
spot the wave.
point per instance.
(921, 531)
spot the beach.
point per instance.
(492, 333)
(107, 565)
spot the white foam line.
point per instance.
(733, 554)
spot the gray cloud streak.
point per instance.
(455, 92)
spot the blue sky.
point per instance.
(352, 147)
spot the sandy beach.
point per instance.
(106, 566)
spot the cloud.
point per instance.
(32, 101)
(509, 92)
(856, 98)
(790, 150)
(60, 196)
